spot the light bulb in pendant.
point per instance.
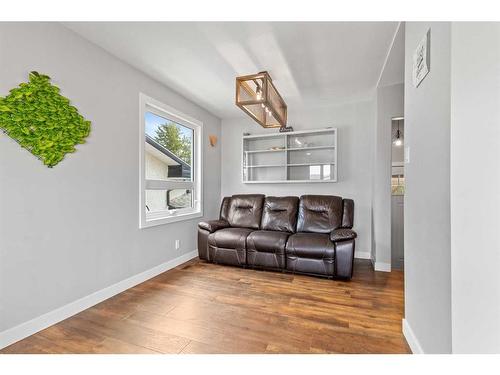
(259, 93)
(398, 141)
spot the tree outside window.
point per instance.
(169, 135)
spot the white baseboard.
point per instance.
(411, 339)
(362, 255)
(35, 325)
(381, 266)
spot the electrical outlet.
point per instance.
(177, 244)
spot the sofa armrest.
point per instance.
(213, 225)
(344, 258)
(342, 234)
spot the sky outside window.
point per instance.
(154, 121)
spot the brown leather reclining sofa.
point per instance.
(310, 235)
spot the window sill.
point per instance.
(152, 222)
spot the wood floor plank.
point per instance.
(195, 347)
(205, 308)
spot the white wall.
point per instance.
(355, 123)
(475, 187)
(72, 230)
(427, 198)
(390, 103)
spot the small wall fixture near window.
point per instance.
(170, 165)
(257, 96)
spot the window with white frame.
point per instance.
(170, 170)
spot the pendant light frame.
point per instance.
(257, 96)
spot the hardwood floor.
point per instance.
(205, 308)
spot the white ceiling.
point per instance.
(312, 64)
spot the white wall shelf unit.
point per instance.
(294, 157)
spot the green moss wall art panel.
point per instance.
(41, 120)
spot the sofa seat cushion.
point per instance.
(228, 246)
(266, 249)
(267, 241)
(310, 245)
(230, 238)
(213, 225)
(311, 253)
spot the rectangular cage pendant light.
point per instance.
(257, 96)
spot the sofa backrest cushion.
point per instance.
(348, 215)
(245, 211)
(224, 209)
(319, 213)
(280, 214)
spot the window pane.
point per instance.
(398, 185)
(179, 198)
(168, 149)
(156, 200)
(173, 199)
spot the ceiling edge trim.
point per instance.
(388, 54)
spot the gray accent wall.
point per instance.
(72, 230)
(356, 126)
(427, 198)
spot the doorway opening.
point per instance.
(397, 194)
